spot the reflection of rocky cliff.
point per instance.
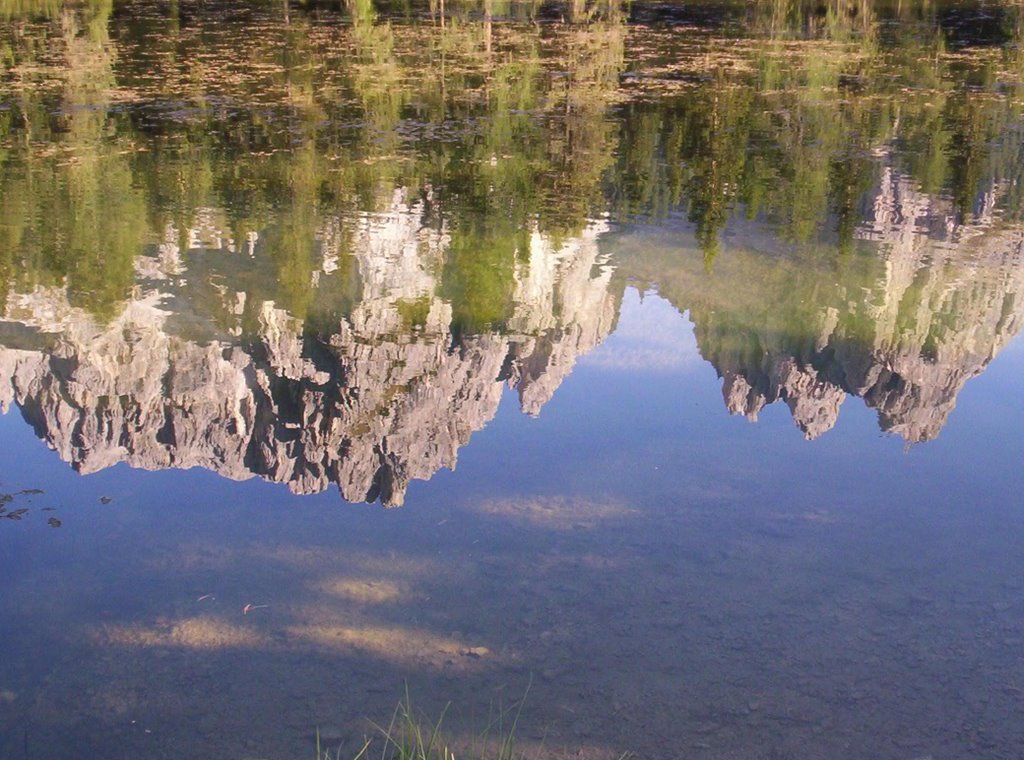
(379, 397)
(374, 389)
(920, 306)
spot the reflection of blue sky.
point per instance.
(652, 336)
(1015, 351)
(633, 515)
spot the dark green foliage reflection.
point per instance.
(115, 130)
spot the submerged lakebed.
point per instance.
(654, 369)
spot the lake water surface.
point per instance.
(648, 377)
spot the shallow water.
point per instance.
(716, 309)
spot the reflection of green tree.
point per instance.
(814, 18)
(581, 140)
(713, 142)
(20, 9)
(500, 129)
(291, 241)
(73, 214)
(792, 131)
(478, 274)
(98, 231)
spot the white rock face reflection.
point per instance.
(368, 406)
(923, 304)
(195, 373)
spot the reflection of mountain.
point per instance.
(383, 395)
(200, 370)
(903, 321)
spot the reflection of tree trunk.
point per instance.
(488, 13)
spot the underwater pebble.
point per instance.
(331, 733)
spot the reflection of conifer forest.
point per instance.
(280, 130)
(505, 126)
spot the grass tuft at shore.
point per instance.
(412, 736)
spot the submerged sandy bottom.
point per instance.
(652, 627)
(642, 572)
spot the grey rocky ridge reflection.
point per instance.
(327, 273)
(368, 404)
(920, 306)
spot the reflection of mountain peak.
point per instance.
(920, 305)
(368, 403)
(203, 369)
(813, 402)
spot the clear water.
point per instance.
(686, 339)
